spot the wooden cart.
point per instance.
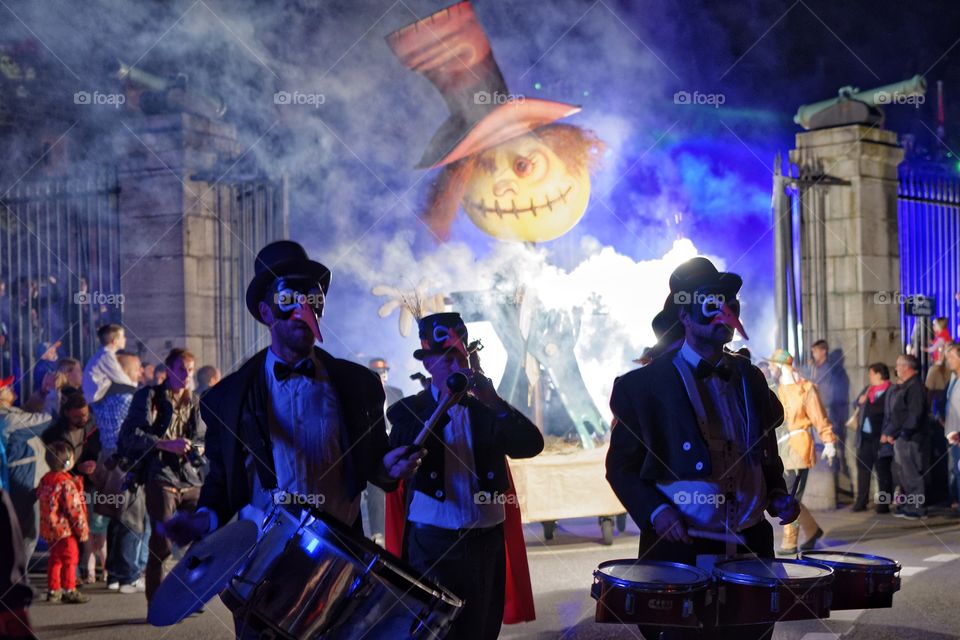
(554, 486)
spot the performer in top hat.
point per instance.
(293, 417)
(693, 445)
(461, 500)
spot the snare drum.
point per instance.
(758, 590)
(860, 581)
(667, 594)
(311, 575)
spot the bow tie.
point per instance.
(705, 370)
(305, 368)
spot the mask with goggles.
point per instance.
(713, 307)
(298, 298)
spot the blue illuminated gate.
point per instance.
(929, 221)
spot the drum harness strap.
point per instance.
(696, 392)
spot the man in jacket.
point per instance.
(904, 429)
(456, 512)
(293, 418)
(163, 431)
(22, 462)
(693, 444)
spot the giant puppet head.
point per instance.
(518, 175)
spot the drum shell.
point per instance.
(303, 581)
(739, 603)
(869, 587)
(625, 606)
(686, 606)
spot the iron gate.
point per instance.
(928, 203)
(250, 213)
(59, 269)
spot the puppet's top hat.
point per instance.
(450, 48)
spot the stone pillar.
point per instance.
(168, 227)
(849, 219)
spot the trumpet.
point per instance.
(458, 383)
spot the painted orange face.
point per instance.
(522, 191)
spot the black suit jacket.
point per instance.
(235, 412)
(493, 438)
(656, 436)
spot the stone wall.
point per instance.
(168, 232)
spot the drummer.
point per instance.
(693, 449)
(293, 418)
(457, 528)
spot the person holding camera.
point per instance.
(164, 435)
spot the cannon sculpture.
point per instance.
(854, 106)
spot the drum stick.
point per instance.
(796, 485)
(714, 535)
(457, 384)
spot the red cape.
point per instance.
(518, 595)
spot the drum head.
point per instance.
(769, 572)
(856, 561)
(203, 572)
(653, 576)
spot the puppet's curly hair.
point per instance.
(579, 149)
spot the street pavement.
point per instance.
(561, 569)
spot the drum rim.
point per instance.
(891, 567)
(747, 579)
(653, 587)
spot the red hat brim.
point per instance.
(507, 121)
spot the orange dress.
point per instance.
(802, 409)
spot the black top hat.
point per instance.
(278, 259)
(693, 275)
(441, 332)
(698, 273)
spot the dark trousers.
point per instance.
(471, 565)
(162, 502)
(867, 454)
(758, 539)
(884, 483)
(908, 455)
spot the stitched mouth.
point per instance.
(496, 209)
